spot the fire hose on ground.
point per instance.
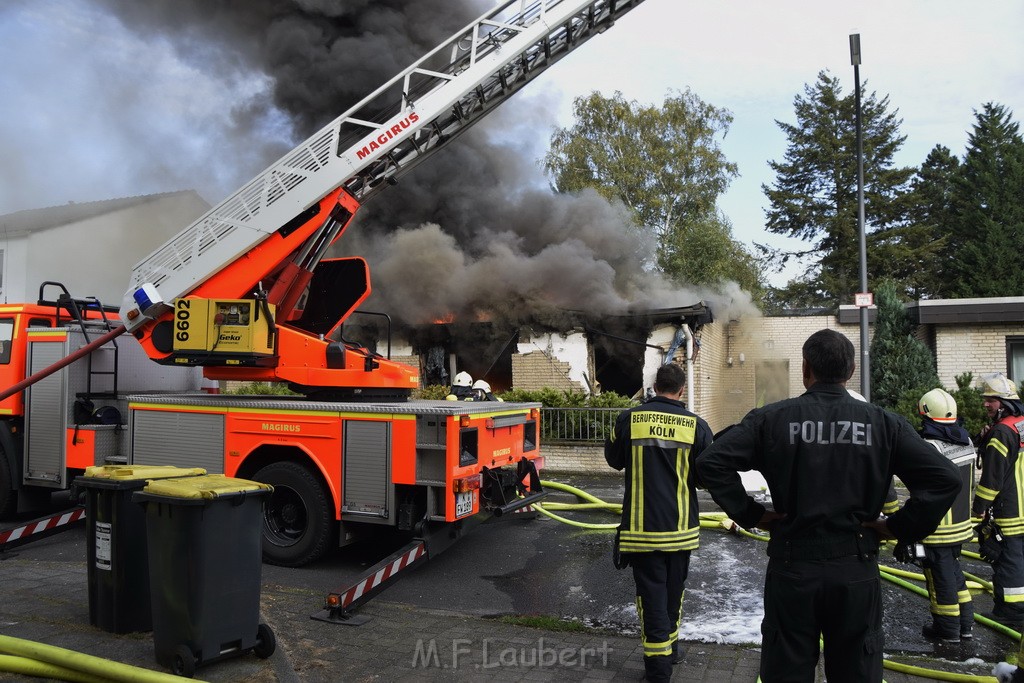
(47, 661)
(718, 520)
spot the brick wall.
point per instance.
(729, 391)
(978, 349)
(563, 459)
(537, 370)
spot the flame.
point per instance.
(445, 319)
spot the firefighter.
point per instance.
(951, 606)
(999, 494)
(482, 391)
(656, 444)
(462, 388)
(829, 460)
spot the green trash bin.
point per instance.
(204, 536)
(115, 528)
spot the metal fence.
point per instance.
(578, 425)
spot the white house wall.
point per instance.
(94, 257)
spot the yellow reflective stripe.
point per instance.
(998, 445)
(636, 520)
(963, 596)
(891, 507)
(985, 493)
(951, 533)
(659, 535)
(1018, 467)
(1012, 597)
(684, 510)
(658, 547)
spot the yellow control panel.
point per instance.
(233, 326)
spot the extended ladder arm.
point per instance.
(274, 231)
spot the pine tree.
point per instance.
(814, 196)
(911, 254)
(987, 226)
(902, 367)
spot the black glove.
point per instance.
(989, 537)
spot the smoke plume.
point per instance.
(471, 234)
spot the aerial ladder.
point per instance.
(245, 290)
(246, 293)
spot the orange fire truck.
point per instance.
(246, 293)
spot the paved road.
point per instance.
(443, 620)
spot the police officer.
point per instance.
(656, 444)
(1001, 489)
(828, 460)
(951, 606)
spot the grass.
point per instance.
(548, 623)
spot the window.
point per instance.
(6, 337)
(1015, 358)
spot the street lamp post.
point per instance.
(865, 358)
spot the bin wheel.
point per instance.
(298, 517)
(183, 663)
(266, 642)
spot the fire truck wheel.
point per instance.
(8, 496)
(298, 517)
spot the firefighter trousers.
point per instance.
(951, 606)
(1008, 579)
(660, 580)
(839, 599)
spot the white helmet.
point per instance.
(996, 385)
(938, 405)
(463, 379)
(483, 386)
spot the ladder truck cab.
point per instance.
(246, 293)
(73, 418)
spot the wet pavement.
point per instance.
(516, 599)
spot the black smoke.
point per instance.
(472, 233)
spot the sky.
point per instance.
(92, 110)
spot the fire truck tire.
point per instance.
(298, 517)
(8, 496)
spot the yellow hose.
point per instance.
(31, 667)
(105, 669)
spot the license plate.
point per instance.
(463, 503)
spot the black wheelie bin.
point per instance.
(116, 554)
(205, 558)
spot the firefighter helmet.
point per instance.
(463, 379)
(482, 385)
(996, 385)
(938, 405)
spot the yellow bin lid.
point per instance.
(205, 487)
(129, 472)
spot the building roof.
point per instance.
(1002, 309)
(31, 220)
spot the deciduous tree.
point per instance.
(665, 164)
